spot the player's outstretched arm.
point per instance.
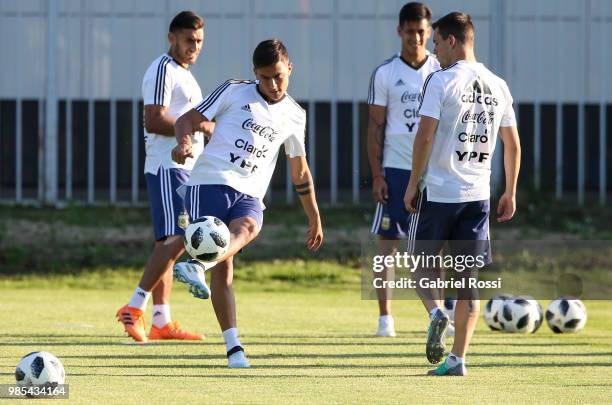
(376, 138)
(157, 120)
(184, 126)
(512, 164)
(421, 150)
(302, 180)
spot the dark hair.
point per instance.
(456, 24)
(269, 52)
(186, 20)
(414, 12)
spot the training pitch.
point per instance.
(305, 346)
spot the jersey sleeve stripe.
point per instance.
(372, 91)
(210, 100)
(204, 105)
(423, 91)
(160, 80)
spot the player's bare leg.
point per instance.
(386, 324)
(466, 317)
(157, 276)
(243, 230)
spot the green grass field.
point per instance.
(309, 336)
(305, 345)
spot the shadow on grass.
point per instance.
(315, 356)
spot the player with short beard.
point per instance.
(169, 89)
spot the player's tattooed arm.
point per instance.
(376, 141)
(304, 186)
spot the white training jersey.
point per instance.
(396, 85)
(167, 83)
(471, 103)
(248, 134)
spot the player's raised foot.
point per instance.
(191, 273)
(435, 346)
(133, 322)
(236, 358)
(172, 330)
(386, 326)
(448, 368)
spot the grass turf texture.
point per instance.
(305, 346)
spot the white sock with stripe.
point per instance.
(140, 298)
(161, 315)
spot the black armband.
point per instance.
(303, 189)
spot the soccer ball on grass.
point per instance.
(39, 369)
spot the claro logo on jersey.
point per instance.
(265, 132)
(479, 93)
(252, 149)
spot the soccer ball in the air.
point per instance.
(520, 315)
(449, 308)
(39, 369)
(566, 315)
(207, 239)
(492, 310)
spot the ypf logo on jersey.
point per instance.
(478, 92)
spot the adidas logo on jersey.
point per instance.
(479, 93)
(246, 107)
(400, 82)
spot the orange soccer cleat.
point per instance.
(132, 321)
(172, 330)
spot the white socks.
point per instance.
(140, 298)
(231, 338)
(385, 319)
(236, 357)
(453, 360)
(161, 315)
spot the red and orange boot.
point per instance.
(133, 322)
(172, 330)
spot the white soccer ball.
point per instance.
(449, 308)
(520, 315)
(492, 310)
(39, 369)
(566, 315)
(207, 239)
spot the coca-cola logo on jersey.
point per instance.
(265, 132)
(408, 96)
(483, 117)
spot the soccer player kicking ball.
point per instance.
(169, 90)
(464, 106)
(393, 100)
(230, 178)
